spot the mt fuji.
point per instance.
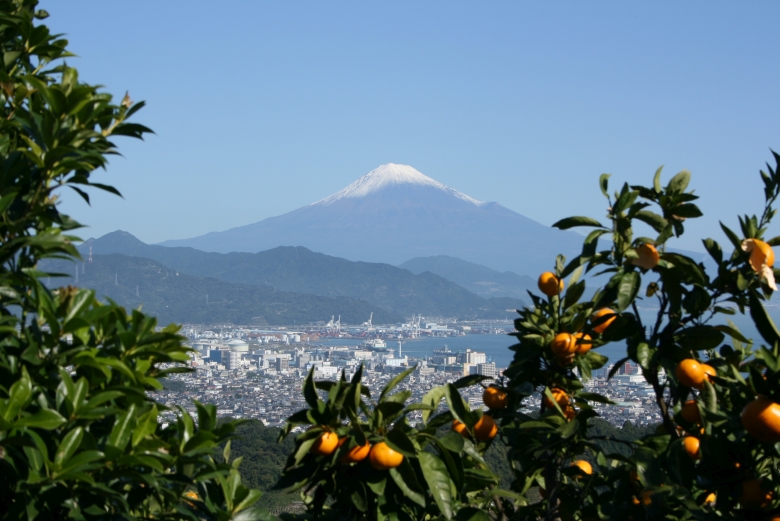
(395, 213)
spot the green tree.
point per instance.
(79, 438)
(715, 453)
(361, 458)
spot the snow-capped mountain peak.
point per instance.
(388, 175)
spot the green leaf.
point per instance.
(627, 289)
(713, 248)
(732, 332)
(654, 220)
(10, 56)
(46, 419)
(604, 184)
(687, 210)
(254, 514)
(18, 396)
(596, 360)
(679, 183)
(573, 294)
(452, 441)
(457, 407)
(657, 180)
(79, 463)
(732, 236)
(468, 381)
(68, 446)
(395, 381)
(700, 338)
(147, 424)
(309, 391)
(405, 478)
(571, 222)
(644, 354)
(435, 473)
(432, 399)
(400, 442)
(766, 327)
(123, 428)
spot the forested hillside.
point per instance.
(176, 297)
(300, 270)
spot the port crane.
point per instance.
(369, 325)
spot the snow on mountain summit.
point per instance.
(389, 175)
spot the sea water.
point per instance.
(496, 347)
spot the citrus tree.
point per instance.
(714, 454)
(357, 458)
(79, 437)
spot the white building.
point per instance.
(487, 369)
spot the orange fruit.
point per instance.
(560, 397)
(710, 499)
(356, 453)
(762, 258)
(600, 328)
(709, 371)
(570, 413)
(635, 500)
(691, 445)
(583, 342)
(648, 257)
(690, 372)
(326, 444)
(382, 457)
(761, 254)
(690, 412)
(563, 344)
(460, 428)
(761, 419)
(753, 495)
(485, 429)
(550, 284)
(584, 466)
(495, 398)
(647, 497)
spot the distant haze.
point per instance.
(395, 213)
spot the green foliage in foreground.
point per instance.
(79, 438)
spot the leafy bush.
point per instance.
(79, 438)
(714, 455)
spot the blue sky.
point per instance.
(262, 107)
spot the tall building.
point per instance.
(231, 359)
(475, 357)
(487, 369)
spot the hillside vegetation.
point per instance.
(181, 298)
(297, 269)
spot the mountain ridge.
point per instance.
(476, 278)
(397, 216)
(175, 297)
(299, 270)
